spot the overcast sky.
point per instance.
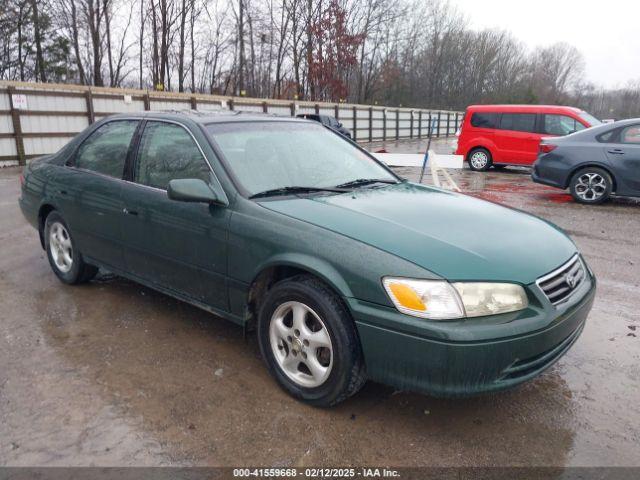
(606, 32)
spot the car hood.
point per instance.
(452, 235)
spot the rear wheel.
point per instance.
(591, 185)
(309, 342)
(479, 159)
(65, 259)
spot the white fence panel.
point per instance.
(46, 124)
(280, 109)
(245, 107)
(8, 146)
(306, 109)
(116, 104)
(4, 101)
(54, 103)
(211, 107)
(5, 124)
(44, 145)
(169, 105)
(47, 112)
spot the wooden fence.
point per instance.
(38, 119)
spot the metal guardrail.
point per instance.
(37, 119)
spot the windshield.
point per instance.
(590, 119)
(273, 155)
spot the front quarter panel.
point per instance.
(260, 238)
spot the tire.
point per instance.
(65, 259)
(591, 185)
(479, 159)
(287, 346)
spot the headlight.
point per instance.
(481, 299)
(440, 300)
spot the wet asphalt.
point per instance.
(113, 374)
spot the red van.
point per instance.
(510, 134)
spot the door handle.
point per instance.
(126, 211)
(616, 151)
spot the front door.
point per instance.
(624, 156)
(559, 125)
(176, 245)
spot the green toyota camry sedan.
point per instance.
(346, 271)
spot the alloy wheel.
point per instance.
(60, 247)
(479, 160)
(590, 186)
(301, 344)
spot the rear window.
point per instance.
(484, 120)
(520, 122)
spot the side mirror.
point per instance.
(191, 190)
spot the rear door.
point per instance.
(624, 156)
(90, 191)
(517, 139)
(178, 246)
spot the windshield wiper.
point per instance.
(295, 189)
(364, 181)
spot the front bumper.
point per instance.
(472, 356)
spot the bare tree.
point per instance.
(37, 31)
(393, 52)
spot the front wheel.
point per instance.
(591, 185)
(309, 342)
(479, 159)
(65, 259)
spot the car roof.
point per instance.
(605, 127)
(206, 118)
(622, 123)
(522, 108)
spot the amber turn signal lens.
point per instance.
(407, 296)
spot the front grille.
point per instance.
(560, 284)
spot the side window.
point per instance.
(630, 134)
(520, 122)
(560, 125)
(105, 151)
(168, 152)
(484, 120)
